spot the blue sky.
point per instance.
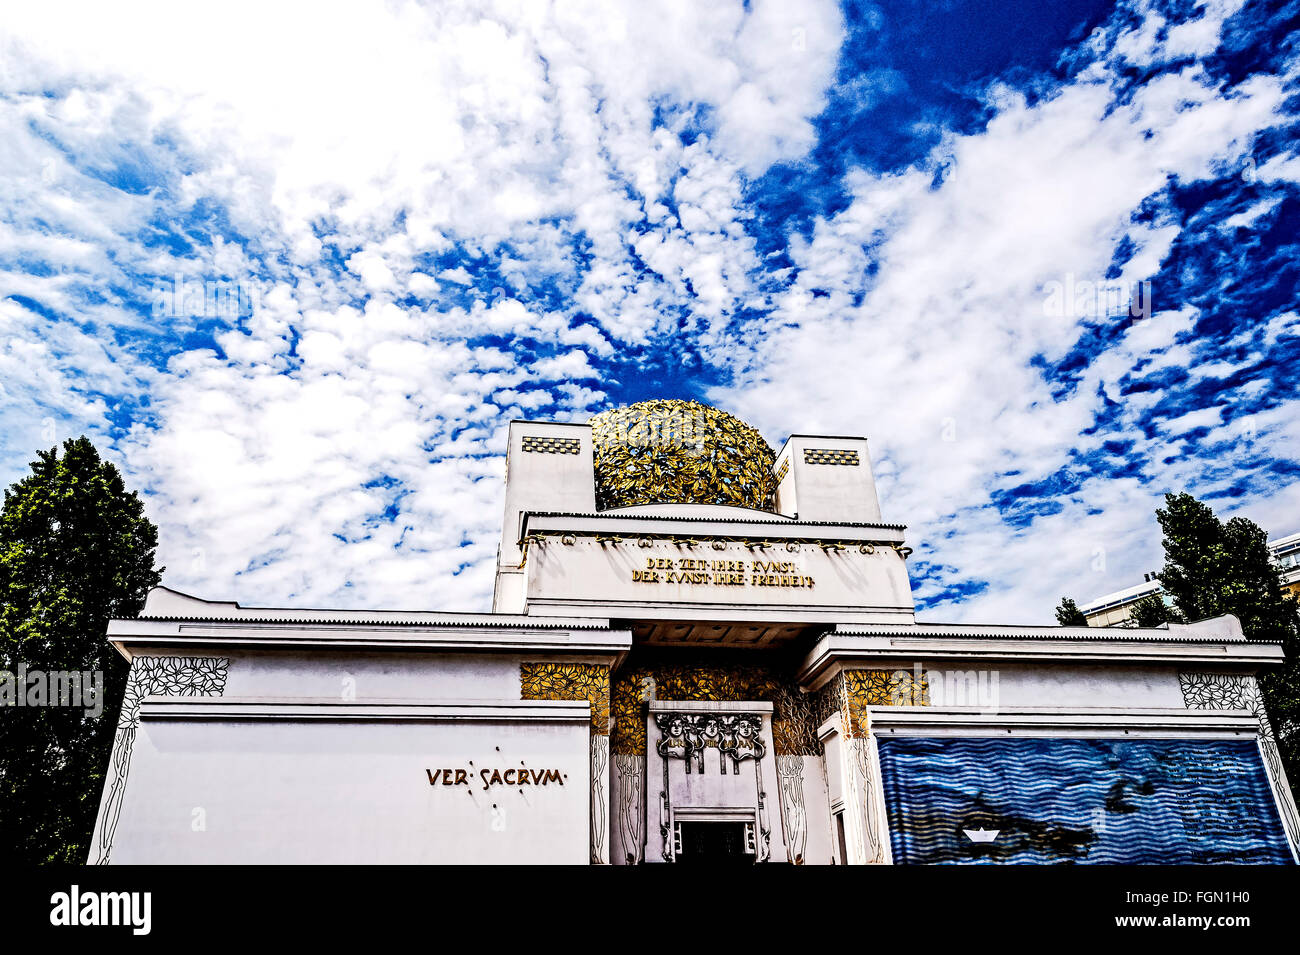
(295, 268)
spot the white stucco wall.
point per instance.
(586, 576)
(1062, 685)
(345, 792)
(394, 676)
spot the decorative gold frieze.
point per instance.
(680, 452)
(545, 445)
(830, 456)
(888, 687)
(852, 691)
(791, 545)
(569, 681)
(866, 687)
(794, 722)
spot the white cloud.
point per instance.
(938, 364)
(338, 447)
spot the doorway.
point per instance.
(714, 843)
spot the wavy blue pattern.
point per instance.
(1095, 801)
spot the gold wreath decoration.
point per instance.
(669, 451)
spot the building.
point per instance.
(699, 651)
(1287, 553)
(1116, 609)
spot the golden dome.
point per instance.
(669, 451)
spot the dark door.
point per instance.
(714, 843)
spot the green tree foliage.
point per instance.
(1152, 611)
(1214, 567)
(1068, 614)
(75, 551)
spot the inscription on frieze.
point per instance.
(721, 573)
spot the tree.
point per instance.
(1152, 611)
(1214, 567)
(75, 551)
(1068, 614)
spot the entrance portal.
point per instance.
(714, 843)
(711, 778)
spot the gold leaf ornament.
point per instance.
(669, 451)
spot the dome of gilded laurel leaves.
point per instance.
(680, 452)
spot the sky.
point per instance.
(295, 266)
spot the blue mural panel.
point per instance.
(1095, 801)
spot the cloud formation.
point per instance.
(296, 267)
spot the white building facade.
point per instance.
(699, 651)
